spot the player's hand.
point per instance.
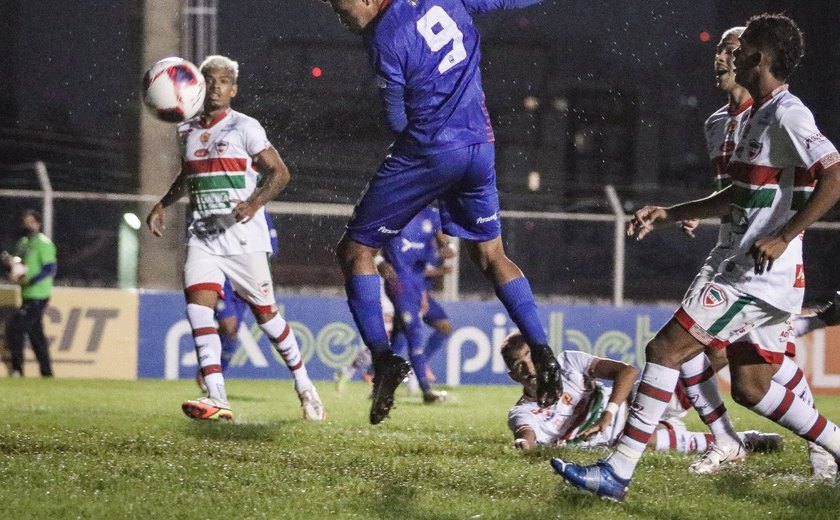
(244, 211)
(22, 280)
(688, 226)
(447, 251)
(646, 220)
(765, 251)
(155, 220)
(601, 424)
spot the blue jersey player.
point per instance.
(425, 55)
(404, 270)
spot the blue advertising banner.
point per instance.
(328, 338)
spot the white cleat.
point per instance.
(709, 463)
(823, 465)
(313, 408)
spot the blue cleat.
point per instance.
(598, 478)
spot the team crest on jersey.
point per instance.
(265, 287)
(713, 296)
(221, 146)
(799, 282)
(204, 138)
(755, 148)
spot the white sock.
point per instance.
(652, 398)
(208, 349)
(702, 389)
(781, 406)
(284, 342)
(682, 441)
(791, 377)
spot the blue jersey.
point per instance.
(425, 54)
(414, 248)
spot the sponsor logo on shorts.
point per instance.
(265, 287)
(386, 231)
(484, 220)
(799, 282)
(713, 296)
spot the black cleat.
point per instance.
(830, 312)
(549, 384)
(389, 373)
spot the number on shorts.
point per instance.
(437, 40)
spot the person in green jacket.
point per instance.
(37, 252)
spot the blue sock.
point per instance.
(434, 343)
(517, 298)
(414, 335)
(229, 344)
(366, 308)
(399, 343)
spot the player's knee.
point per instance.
(746, 395)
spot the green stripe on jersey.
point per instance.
(748, 198)
(217, 182)
(733, 311)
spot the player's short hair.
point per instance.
(781, 37)
(216, 61)
(511, 345)
(34, 213)
(733, 31)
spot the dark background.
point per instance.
(621, 91)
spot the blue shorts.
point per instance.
(231, 305)
(463, 181)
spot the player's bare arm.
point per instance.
(623, 377)
(524, 437)
(649, 218)
(156, 220)
(276, 177)
(825, 196)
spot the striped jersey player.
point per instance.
(224, 153)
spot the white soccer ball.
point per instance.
(173, 90)
(16, 270)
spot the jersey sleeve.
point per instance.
(391, 82)
(581, 362)
(485, 6)
(813, 149)
(254, 138)
(520, 416)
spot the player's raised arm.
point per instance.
(275, 178)
(156, 220)
(649, 218)
(623, 377)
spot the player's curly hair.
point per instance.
(779, 35)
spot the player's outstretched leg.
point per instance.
(598, 478)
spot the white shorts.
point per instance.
(719, 316)
(249, 275)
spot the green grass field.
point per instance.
(108, 449)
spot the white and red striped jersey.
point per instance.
(777, 161)
(582, 403)
(722, 129)
(218, 162)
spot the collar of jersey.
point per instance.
(216, 120)
(778, 90)
(747, 104)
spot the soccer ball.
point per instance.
(173, 90)
(16, 269)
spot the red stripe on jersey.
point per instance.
(636, 434)
(655, 393)
(817, 429)
(720, 163)
(215, 165)
(714, 415)
(705, 375)
(782, 409)
(803, 177)
(212, 369)
(204, 331)
(753, 174)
